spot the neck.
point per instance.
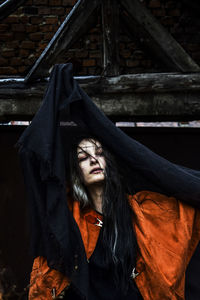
(96, 193)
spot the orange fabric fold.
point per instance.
(167, 232)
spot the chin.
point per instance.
(97, 180)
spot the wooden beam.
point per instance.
(9, 6)
(130, 97)
(131, 107)
(63, 39)
(163, 42)
(110, 24)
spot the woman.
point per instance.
(65, 236)
(108, 221)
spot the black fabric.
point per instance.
(101, 280)
(43, 149)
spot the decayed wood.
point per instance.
(164, 43)
(9, 6)
(64, 38)
(135, 97)
(154, 106)
(110, 24)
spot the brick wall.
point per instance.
(26, 33)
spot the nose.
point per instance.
(93, 160)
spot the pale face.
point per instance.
(91, 161)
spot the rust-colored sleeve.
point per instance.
(167, 232)
(45, 283)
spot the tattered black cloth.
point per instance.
(43, 151)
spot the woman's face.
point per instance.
(91, 161)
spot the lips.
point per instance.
(96, 171)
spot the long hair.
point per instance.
(119, 240)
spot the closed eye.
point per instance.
(80, 159)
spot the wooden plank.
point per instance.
(67, 34)
(176, 106)
(110, 24)
(164, 43)
(135, 83)
(129, 97)
(9, 6)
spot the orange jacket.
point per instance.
(167, 232)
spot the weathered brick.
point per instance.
(21, 69)
(48, 36)
(167, 21)
(95, 38)
(94, 30)
(12, 44)
(174, 12)
(4, 37)
(3, 61)
(7, 53)
(42, 46)
(69, 2)
(58, 11)
(55, 2)
(154, 3)
(159, 12)
(8, 71)
(81, 53)
(31, 28)
(146, 63)
(36, 20)
(125, 53)
(51, 20)
(46, 28)
(12, 19)
(95, 54)
(24, 53)
(92, 46)
(170, 4)
(40, 2)
(30, 10)
(37, 36)
(3, 27)
(92, 71)
(44, 10)
(20, 36)
(132, 63)
(30, 60)
(88, 62)
(121, 46)
(16, 61)
(18, 28)
(67, 10)
(62, 19)
(27, 45)
(24, 19)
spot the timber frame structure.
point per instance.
(133, 97)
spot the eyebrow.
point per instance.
(84, 151)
